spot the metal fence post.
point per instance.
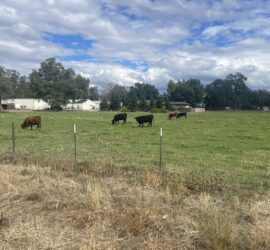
(160, 152)
(13, 139)
(75, 145)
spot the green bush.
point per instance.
(124, 109)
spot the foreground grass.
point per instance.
(233, 146)
(103, 207)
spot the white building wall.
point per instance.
(87, 105)
(27, 103)
(197, 110)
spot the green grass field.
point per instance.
(233, 146)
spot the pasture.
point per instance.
(230, 147)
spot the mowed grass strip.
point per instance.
(233, 146)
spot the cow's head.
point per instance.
(113, 121)
(23, 126)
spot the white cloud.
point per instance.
(176, 39)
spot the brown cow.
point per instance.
(172, 114)
(30, 121)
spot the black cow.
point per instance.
(119, 117)
(144, 119)
(181, 114)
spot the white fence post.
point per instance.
(75, 145)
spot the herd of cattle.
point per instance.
(146, 118)
(36, 120)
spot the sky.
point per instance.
(128, 41)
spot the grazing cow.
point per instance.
(172, 114)
(30, 121)
(119, 117)
(144, 119)
(181, 114)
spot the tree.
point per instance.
(230, 92)
(143, 105)
(133, 103)
(23, 89)
(121, 91)
(171, 87)
(8, 83)
(166, 102)
(93, 94)
(55, 84)
(145, 90)
(190, 91)
(216, 97)
(238, 90)
(159, 102)
(115, 101)
(152, 103)
(262, 97)
(104, 104)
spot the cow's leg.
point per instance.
(31, 127)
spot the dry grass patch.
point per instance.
(98, 207)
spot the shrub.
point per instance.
(124, 109)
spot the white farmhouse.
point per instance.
(83, 105)
(27, 104)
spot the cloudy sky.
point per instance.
(152, 41)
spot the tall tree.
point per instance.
(93, 93)
(104, 104)
(190, 91)
(159, 102)
(238, 90)
(230, 92)
(152, 103)
(121, 91)
(216, 97)
(8, 83)
(133, 101)
(55, 84)
(23, 89)
(143, 105)
(167, 102)
(145, 90)
(171, 87)
(115, 101)
(262, 97)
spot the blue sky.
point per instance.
(124, 42)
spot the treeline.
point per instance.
(230, 92)
(57, 85)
